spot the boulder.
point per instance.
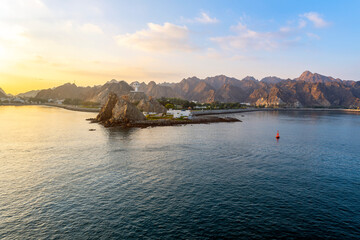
(119, 110)
(125, 112)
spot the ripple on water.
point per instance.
(58, 180)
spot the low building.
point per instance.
(18, 100)
(150, 113)
(180, 113)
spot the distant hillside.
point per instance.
(2, 93)
(67, 90)
(308, 90)
(271, 80)
(158, 90)
(100, 94)
(94, 94)
(29, 94)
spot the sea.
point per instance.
(59, 180)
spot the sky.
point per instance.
(46, 43)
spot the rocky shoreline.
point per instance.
(196, 112)
(165, 122)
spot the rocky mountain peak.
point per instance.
(271, 80)
(152, 83)
(249, 78)
(113, 81)
(308, 76)
(2, 93)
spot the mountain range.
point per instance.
(308, 90)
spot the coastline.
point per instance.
(230, 111)
(67, 107)
(196, 112)
(74, 108)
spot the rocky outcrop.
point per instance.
(125, 112)
(106, 111)
(118, 110)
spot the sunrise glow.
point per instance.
(47, 43)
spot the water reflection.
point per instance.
(120, 132)
(58, 180)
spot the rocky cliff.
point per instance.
(118, 110)
(308, 90)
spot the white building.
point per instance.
(136, 86)
(59, 101)
(150, 113)
(179, 113)
(200, 107)
(18, 100)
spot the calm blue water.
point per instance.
(60, 181)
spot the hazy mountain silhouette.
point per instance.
(310, 89)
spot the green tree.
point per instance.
(169, 105)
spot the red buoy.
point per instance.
(277, 135)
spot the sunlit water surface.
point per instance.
(58, 180)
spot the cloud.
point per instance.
(20, 9)
(316, 19)
(156, 37)
(289, 35)
(313, 36)
(206, 19)
(302, 23)
(248, 39)
(91, 29)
